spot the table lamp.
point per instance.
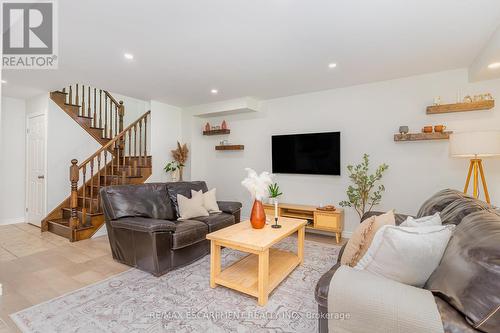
(475, 145)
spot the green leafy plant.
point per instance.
(173, 166)
(364, 193)
(274, 190)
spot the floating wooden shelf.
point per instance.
(230, 147)
(217, 132)
(461, 107)
(422, 136)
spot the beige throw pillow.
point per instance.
(362, 237)
(209, 200)
(189, 208)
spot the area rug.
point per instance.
(182, 301)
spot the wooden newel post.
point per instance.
(74, 173)
(121, 113)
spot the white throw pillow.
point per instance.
(425, 221)
(193, 207)
(406, 254)
(209, 200)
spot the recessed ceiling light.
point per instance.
(332, 65)
(3, 81)
(214, 91)
(128, 56)
(494, 65)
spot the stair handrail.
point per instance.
(119, 147)
(116, 138)
(90, 101)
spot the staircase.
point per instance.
(122, 159)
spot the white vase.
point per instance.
(175, 175)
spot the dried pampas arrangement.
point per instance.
(180, 156)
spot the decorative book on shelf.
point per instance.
(217, 132)
(422, 136)
(461, 107)
(230, 147)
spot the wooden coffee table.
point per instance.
(265, 267)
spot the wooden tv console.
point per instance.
(331, 221)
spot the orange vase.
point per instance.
(258, 216)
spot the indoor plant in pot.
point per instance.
(174, 168)
(257, 185)
(180, 156)
(274, 193)
(364, 194)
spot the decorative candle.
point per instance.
(275, 208)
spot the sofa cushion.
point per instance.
(460, 208)
(143, 224)
(439, 201)
(146, 200)
(193, 207)
(424, 221)
(183, 188)
(209, 200)
(468, 276)
(188, 232)
(216, 221)
(362, 237)
(406, 254)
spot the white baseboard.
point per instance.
(347, 234)
(13, 220)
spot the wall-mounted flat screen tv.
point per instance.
(315, 153)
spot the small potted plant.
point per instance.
(274, 193)
(174, 168)
(364, 194)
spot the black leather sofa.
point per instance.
(143, 229)
(469, 253)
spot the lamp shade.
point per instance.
(475, 144)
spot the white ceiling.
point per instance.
(260, 48)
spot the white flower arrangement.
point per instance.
(256, 184)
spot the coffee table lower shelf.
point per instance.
(243, 274)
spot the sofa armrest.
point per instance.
(374, 301)
(229, 207)
(400, 218)
(144, 224)
(323, 286)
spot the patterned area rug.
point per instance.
(182, 301)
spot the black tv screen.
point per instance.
(316, 153)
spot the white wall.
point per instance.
(12, 160)
(368, 116)
(66, 140)
(134, 108)
(165, 132)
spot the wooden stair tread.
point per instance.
(75, 105)
(65, 223)
(85, 117)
